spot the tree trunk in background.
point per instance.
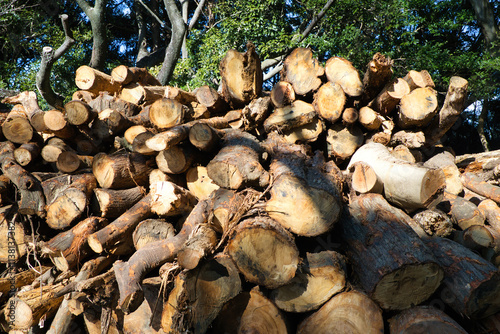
(480, 125)
(486, 19)
(97, 19)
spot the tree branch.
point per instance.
(196, 14)
(49, 57)
(150, 12)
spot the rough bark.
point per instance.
(464, 212)
(377, 75)
(424, 319)
(111, 203)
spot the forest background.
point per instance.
(182, 43)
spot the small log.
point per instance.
(166, 113)
(106, 101)
(83, 95)
(464, 212)
(450, 112)
(369, 118)
(377, 75)
(341, 71)
(320, 276)
(141, 95)
(343, 141)
(121, 227)
(403, 153)
(17, 127)
(53, 148)
(55, 185)
(434, 222)
(303, 71)
(211, 99)
(382, 137)
(69, 162)
(109, 122)
(169, 199)
(424, 319)
(306, 133)
(364, 179)
(129, 274)
(151, 230)
(133, 132)
(329, 101)
(255, 113)
(88, 78)
(282, 94)
(446, 161)
(347, 312)
(417, 108)
(476, 237)
(420, 79)
(199, 183)
(27, 153)
(409, 275)
(12, 236)
(123, 75)
(350, 116)
(176, 159)
(410, 139)
(237, 163)
(477, 185)
(387, 100)
(57, 123)
(199, 295)
(29, 100)
(111, 203)
(423, 189)
(291, 116)
(121, 170)
(181, 96)
(79, 113)
(204, 137)
(202, 243)
(139, 143)
(252, 248)
(471, 281)
(491, 211)
(251, 312)
(68, 249)
(241, 76)
(227, 207)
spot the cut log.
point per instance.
(200, 244)
(107, 101)
(56, 122)
(12, 236)
(294, 115)
(166, 113)
(306, 133)
(369, 118)
(477, 185)
(304, 199)
(452, 108)
(199, 183)
(210, 98)
(169, 199)
(282, 94)
(303, 71)
(377, 75)
(464, 212)
(121, 170)
(340, 71)
(382, 137)
(111, 203)
(88, 78)
(79, 113)
(476, 237)
(418, 79)
(417, 108)
(387, 100)
(471, 282)
(53, 148)
(364, 179)
(204, 137)
(251, 312)
(109, 122)
(423, 189)
(343, 141)
(347, 312)
(329, 101)
(69, 162)
(27, 153)
(320, 276)
(19, 280)
(237, 163)
(491, 211)
(83, 95)
(123, 75)
(241, 76)
(199, 295)
(446, 161)
(434, 222)
(403, 153)
(350, 116)
(424, 319)
(151, 230)
(410, 139)
(17, 127)
(66, 208)
(253, 249)
(176, 159)
(408, 273)
(255, 113)
(29, 100)
(141, 95)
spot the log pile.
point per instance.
(326, 205)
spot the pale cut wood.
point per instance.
(302, 71)
(27, 153)
(419, 79)
(141, 95)
(124, 75)
(424, 319)
(111, 203)
(306, 133)
(166, 113)
(83, 95)
(133, 132)
(169, 199)
(423, 189)
(410, 139)
(369, 118)
(12, 236)
(282, 94)
(204, 137)
(364, 179)
(255, 113)
(54, 147)
(29, 101)
(341, 71)
(291, 116)
(176, 159)
(151, 230)
(446, 161)
(346, 313)
(491, 211)
(387, 100)
(417, 108)
(350, 116)
(402, 152)
(17, 127)
(343, 141)
(57, 123)
(211, 99)
(109, 122)
(88, 78)
(329, 101)
(382, 137)
(199, 183)
(79, 113)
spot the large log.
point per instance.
(124, 75)
(29, 101)
(424, 319)
(303, 71)
(417, 108)
(16, 127)
(341, 71)
(329, 101)
(291, 116)
(88, 78)
(407, 273)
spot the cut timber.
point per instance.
(329, 101)
(27, 153)
(237, 163)
(320, 276)
(241, 76)
(369, 118)
(166, 113)
(107, 101)
(204, 137)
(12, 236)
(253, 249)
(88, 78)
(133, 132)
(350, 116)
(19, 280)
(66, 208)
(434, 222)
(418, 79)
(424, 319)
(121, 170)
(79, 113)
(198, 182)
(200, 244)
(68, 249)
(169, 199)
(448, 115)
(343, 141)
(377, 75)
(69, 162)
(151, 230)
(291, 116)
(306, 133)
(387, 100)
(339, 70)
(423, 189)
(255, 113)
(227, 207)
(446, 161)
(410, 139)
(57, 123)
(481, 187)
(199, 295)
(402, 152)
(364, 179)
(129, 274)
(346, 313)
(123, 75)
(473, 282)
(176, 159)
(382, 137)
(111, 203)
(16, 127)
(417, 108)
(491, 211)
(141, 95)
(407, 273)
(304, 199)
(109, 122)
(282, 94)
(251, 312)
(211, 99)
(53, 148)
(29, 101)
(83, 95)
(464, 212)
(303, 71)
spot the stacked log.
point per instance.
(327, 204)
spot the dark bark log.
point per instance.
(377, 75)
(424, 319)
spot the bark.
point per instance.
(424, 319)
(434, 222)
(125, 75)
(463, 212)
(29, 101)
(255, 113)
(340, 71)
(106, 100)
(476, 184)
(19, 280)
(491, 211)
(387, 100)
(408, 274)
(111, 203)
(109, 123)
(302, 71)
(151, 230)
(486, 18)
(410, 139)
(377, 75)
(27, 153)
